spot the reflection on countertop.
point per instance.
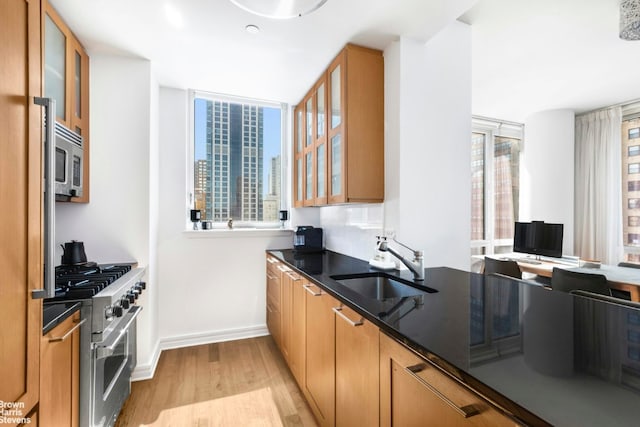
(568, 359)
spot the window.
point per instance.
(631, 186)
(495, 185)
(237, 158)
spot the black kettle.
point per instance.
(73, 253)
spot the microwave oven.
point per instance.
(69, 162)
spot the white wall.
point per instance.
(116, 225)
(427, 155)
(212, 288)
(547, 171)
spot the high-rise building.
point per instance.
(271, 205)
(200, 184)
(234, 152)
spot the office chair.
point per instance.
(502, 266)
(629, 264)
(567, 281)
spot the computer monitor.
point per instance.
(538, 238)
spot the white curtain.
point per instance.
(598, 191)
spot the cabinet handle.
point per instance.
(293, 276)
(338, 311)
(69, 332)
(308, 289)
(49, 199)
(466, 411)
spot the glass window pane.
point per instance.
(299, 179)
(320, 110)
(506, 189)
(634, 168)
(336, 109)
(237, 160)
(78, 85)
(634, 150)
(54, 65)
(633, 186)
(299, 136)
(320, 172)
(336, 166)
(309, 140)
(477, 186)
(634, 133)
(309, 166)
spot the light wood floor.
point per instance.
(236, 383)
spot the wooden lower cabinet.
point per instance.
(415, 393)
(320, 354)
(59, 375)
(357, 362)
(297, 350)
(274, 300)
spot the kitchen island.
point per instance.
(540, 356)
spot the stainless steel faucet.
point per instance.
(416, 266)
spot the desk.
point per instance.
(622, 278)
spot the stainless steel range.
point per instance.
(110, 305)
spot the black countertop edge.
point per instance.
(55, 313)
(500, 402)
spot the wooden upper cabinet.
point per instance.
(20, 204)
(66, 79)
(320, 142)
(346, 125)
(298, 156)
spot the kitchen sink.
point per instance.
(380, 286)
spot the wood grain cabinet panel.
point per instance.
(59, 376)
(274, 300)
(357, 379)
(339, 133)
(20, 203)
(320, 354)
(414, 393)
(66, 79)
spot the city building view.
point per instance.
(631, 187)
(237, 164)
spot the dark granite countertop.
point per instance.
(55, 313)
(546, 357)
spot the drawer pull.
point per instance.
(466, 411)
(69, 332)
(338, 311)
(308, 289)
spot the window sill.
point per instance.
(237, 233)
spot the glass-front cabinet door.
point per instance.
(336, 145)
(79, 85)
(298, 153)
(55, 71)
(320, 143)
(309, 151)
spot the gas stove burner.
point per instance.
(83, 281)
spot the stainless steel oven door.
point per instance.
(113, 361)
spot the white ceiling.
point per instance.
(536, 55)
(211, 50)
(528, 56)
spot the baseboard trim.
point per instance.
(146, 372)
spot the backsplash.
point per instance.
(352, 229)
